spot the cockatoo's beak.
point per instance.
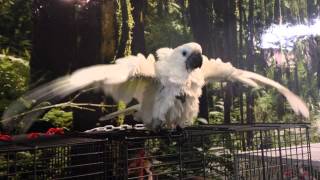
(194, 61)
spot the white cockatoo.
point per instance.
(167, 90)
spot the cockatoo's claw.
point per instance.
(179, 129)
(156, 125)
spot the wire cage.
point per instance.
(260, 151)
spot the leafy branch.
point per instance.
(70, 103)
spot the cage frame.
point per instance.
(116, 152)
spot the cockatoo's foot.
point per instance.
(174, 135)
(182, 132)
(156, 125)
(179, 129)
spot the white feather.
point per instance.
(114, 75)
(214, 70)
(163, 53)
(297, 104)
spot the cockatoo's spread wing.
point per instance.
(215, 69)
(123, 80)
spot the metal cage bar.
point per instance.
(259, 151)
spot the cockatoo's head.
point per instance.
(188, 55)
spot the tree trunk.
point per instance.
(54, 36)
(125, 36)
(250, 62)
(250, 66)
(162, 7)
(296, 80)
(69, 35)
(263, 11)
(240, 57)
(109, 31)
(138, 13)
(230, 53)
(201, 24)
(88, 52)
(201, 28)
(311, 9)
(278, 72)
(277, 12)
(318, 71)
(219, 37)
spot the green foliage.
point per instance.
(265, 107)
(13, 82)
(121, 106)
(216, 114)
(15, 25)
(15, 38)
(59, 118)
(165, 28)
(295, 10)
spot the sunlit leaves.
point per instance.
(13, 82)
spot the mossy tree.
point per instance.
(72, 34)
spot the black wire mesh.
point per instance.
(273, 151)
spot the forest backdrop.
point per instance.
(41, 40)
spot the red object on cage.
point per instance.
(52, 131)
(33, 135)
(5, 137)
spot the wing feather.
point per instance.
(215, 70)
(296, 103)
(115, 79)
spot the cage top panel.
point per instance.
(196, 130)
(21, 143)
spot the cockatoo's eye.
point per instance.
(184, 53)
